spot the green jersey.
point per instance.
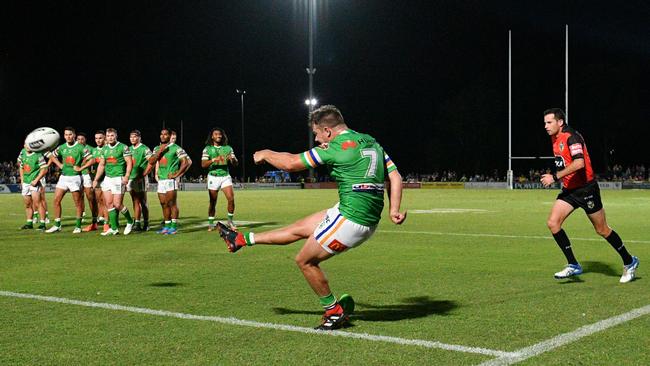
(170, 161)
(115, 159)
(96, 154)
(91, 150)
(31, 163)
(219, 156)
(141, 154)
(360, 166)
(71, 156)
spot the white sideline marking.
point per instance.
(549, 237)
(254, 324)
(566, 338)
(449, 210)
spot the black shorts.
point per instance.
(586, 197)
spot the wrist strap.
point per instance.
(555, 178)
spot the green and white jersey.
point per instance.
(31, 163)
(91, 150)
(115, 159)
(218, 168)
(170, 162)
(71, 156)
(141, 154)
(96, 155)
(360, 166)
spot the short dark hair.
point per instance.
(101, 132)
(82, 134)
(169, 130)
(209, 141)
(71, 129)
(327, 115)
(172, 132)
(136, 132)
(557, 112)
(111, 129)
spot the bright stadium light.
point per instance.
(311, 102)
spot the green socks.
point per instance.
(112, 218)
(127, 214)
(328, 301)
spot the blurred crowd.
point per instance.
(9, 175)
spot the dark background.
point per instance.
(428, 79)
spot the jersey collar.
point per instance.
(73, 145)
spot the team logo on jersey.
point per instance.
(348, 144)
(163, 161)
(70, 160)
(561, 146)
(111, 159)
(27, 168)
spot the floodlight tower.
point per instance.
(241, 93)
(311, 10)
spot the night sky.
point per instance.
(428, 79)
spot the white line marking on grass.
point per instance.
(254, 324)
(449, 210)
(566, 338)
(549, 237)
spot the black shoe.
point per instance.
(234, 239)
(334, 321)
(27, 227)
(136, 227)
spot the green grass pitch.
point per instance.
(469, 267)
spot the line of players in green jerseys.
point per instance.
(104, 173)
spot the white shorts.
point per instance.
(87, 181)
(28, 189)
(216, 183)
(140, 185)
(69, 183)
(336, 234)
(166, 185)
(113, 184)
(43, 182)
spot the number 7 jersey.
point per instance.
(360, 166)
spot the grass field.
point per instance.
(466, 280)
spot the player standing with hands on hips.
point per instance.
(216, 156)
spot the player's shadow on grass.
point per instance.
(165, 284)
(600, 267)
(409, 308)
(205, 227)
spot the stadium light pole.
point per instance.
(241, 93)
(566, 74)
(509, 174)
(311, 9)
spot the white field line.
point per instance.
(566, 338)
(479, 235)
(254, 324)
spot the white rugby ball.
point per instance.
(42, 138)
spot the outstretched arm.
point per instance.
(281, 160)
(395, 197)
